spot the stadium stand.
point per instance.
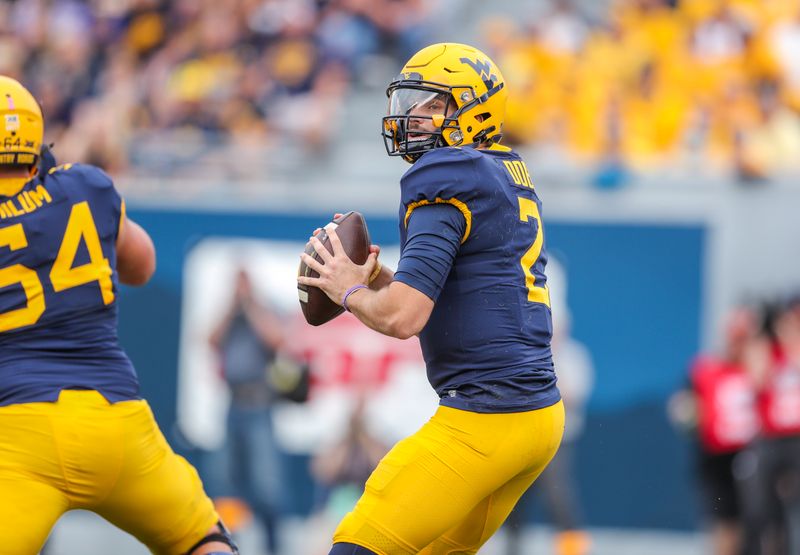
(643, 85)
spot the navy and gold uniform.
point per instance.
(58, 315)
(472, 241)
(475, 214)
(74, 433)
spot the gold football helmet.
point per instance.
(21, 125)
(455, 86)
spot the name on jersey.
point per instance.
(17, 157)
(25, 203)
(519, 173)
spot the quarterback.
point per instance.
(74, 432)
(471, 284)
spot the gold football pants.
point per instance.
(84, 453)
(446, 489)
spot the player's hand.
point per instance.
(337, 273)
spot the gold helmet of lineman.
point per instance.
(464, 88)
(21, 125)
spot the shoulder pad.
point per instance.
(443, 173)
(88, 175)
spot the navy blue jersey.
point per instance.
(472, 240)
(58, 287)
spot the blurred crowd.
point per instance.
(116, 75)
(713, 84)
(145, 86)
(742, 404)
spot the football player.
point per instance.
(471, 284)
(74, 432)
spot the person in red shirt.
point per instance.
(770, 474)
(720, 407)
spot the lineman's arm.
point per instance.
(136, 255)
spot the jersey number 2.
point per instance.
(62, 275)
(529, 209)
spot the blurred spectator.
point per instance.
(342, 469)
(719, 408)
(112, 74)
(771, 473)
(218, 86)
(612, 171)
(680, 79)
(247, 341)
(720, 38)
(784, 45)
(563, 29)
(773, 145)
(355, 29)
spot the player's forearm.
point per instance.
(384, 311)
(367, 306)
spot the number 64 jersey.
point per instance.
(58, 286)
(487, 342)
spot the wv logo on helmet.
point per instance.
(484, 69)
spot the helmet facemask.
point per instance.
(419, 117)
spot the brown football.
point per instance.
(352, 231)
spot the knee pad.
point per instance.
(343, 548)
(223, 536)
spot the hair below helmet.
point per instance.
(468, 87)
(21, 124)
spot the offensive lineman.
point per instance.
(74, 432)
